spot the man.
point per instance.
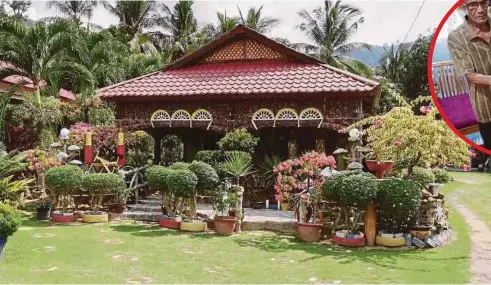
(470, 46)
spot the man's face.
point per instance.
(477, 10)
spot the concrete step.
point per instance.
(142, 216)
(150, 202)
(144, 208)
(153, 198)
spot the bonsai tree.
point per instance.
(238, 140)
(222, 198)
(422, 176)
(397, 204)
(411, 139)
(62, 182)
(100, 184)
(353, 190)
(441, 175)
(301, 174)
(182, 183)
(207, 176)
(157, 179)
(10, 220)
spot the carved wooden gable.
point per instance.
(243, 49)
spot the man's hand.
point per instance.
(478, 79)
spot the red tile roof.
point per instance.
(241, 78)
(27, 82)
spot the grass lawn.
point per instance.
(129, 253)
(474, 192)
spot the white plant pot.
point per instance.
(385, 234)
(342, 234)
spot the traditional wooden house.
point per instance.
(291, 101)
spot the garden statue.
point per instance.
(239, 194)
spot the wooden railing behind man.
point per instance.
(447, 82)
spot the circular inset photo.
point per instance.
(459, 71)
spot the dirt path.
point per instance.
(480, 245)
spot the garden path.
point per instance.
(480, 244)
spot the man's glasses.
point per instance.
(475, 4)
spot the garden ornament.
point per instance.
(64, 133)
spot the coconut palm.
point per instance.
(330, 28)
(74, 10)
(138, 64)
(38, 54)
(224, 25)
(181, 33)
(18, 8)
(391, 63)
(134, 17)
(256, 21)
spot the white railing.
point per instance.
(447, 83)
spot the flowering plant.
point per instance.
(297, 174)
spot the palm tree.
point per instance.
(181, 33)
(134, 17)
(74, 10)
(224, 25)
(330, 28)
(255, 20)
(19, 8)
(391, 63)
(39, 54)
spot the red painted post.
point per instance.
(120, 149)
(88, 148)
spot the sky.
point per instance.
(386, 21)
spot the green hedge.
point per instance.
(207, 176)
(157, 177)
(10, 220)
(103, 183)
(441, 175)
(182, 183)
(64, 180)
(351, 188)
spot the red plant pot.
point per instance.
(170, 224)
(309, 232)
(225, 225)
(349, 242)
(379, 167)
(58, 218)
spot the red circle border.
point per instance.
(432, 87)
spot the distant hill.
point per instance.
(372, 57)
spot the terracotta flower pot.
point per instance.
(59, 218)
(231, 213)
(420, 232)
(309, 232)
(323, 217)
(349, 242)
(170, 224)
(225, 225)
(379, 167)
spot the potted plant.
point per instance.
(207, 181)
(224, 225)
(395, 220)
(62, 182)
(157, 179)
(43, 210)
(118, 204)
(98, 185)
(354, 191)
(304, 174)
(10, 220)
(238, 164)
(182, 183)
(284, 203)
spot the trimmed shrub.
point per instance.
(334, 185)
(182, 183)
(240, 140)
(422, 176)
(179, 166)
(10, 220)
(441, 175)
(64, 180)
(99, 184)
(397, 204)
(212, 157)
(157, 177)
(357, 190)
(207, 176)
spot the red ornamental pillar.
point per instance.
(120, 149)
(88, 148)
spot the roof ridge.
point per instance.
(126, 81)
(352, 75)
